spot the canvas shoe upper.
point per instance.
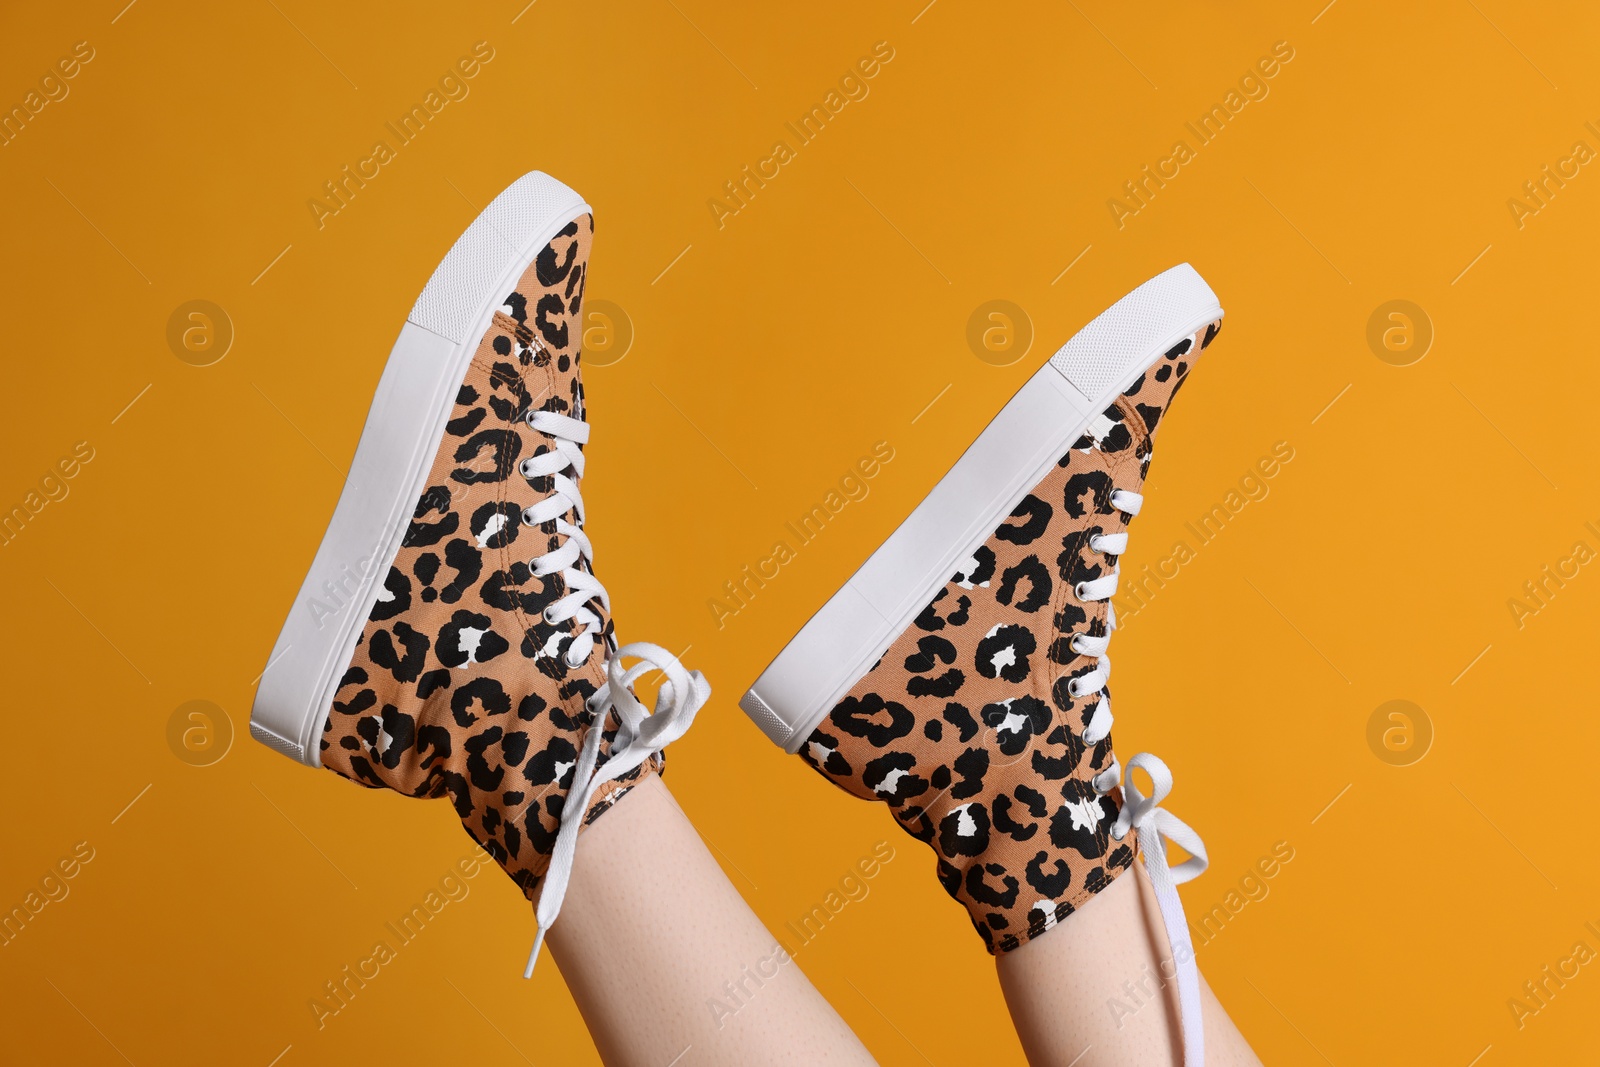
(485, 668)
(985, 722)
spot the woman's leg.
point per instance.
(1090, 992)
(667, 963)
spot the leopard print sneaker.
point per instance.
(451, 639)
(960, 675)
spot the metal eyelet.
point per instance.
(522, 468)
(1077, 591)
(527, 517)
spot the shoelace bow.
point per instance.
(640, 735)
(1154, 825)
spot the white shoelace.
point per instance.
(1154, 825)
(641, 735)
(566, 454)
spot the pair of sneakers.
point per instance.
(451, 638)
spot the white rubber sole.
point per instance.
(857, 625)
(404, 427)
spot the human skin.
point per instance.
(1070, 991)
(651, 932)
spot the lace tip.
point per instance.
(533, 957)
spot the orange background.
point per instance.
(823, 317)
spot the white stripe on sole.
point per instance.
(404, 426)
(1036, 427)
